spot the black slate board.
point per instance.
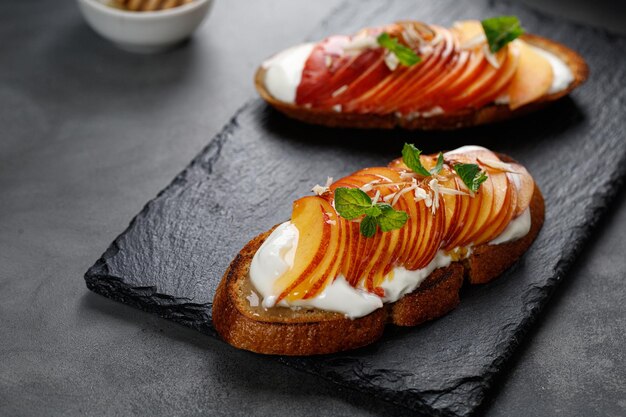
(172, 256)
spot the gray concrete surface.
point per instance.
(88, 134)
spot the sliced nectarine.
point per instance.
(503, 215)
(525, 187)
(430, 96)
(419, 80)
(365, 81)
(471, 71)
(376, 98)
(316, 71)
(328, 268)
(468, 30)
(340, 81)
(532, 78)
(465, 201)
(314, 235)
(501, 83)
(479, 84)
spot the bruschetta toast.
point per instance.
(383, 245)
(418, 76)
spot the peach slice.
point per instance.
(532, 79)
(457, 228)
(505, 75)
(387, 258)
(314, 236)
(394, 82)
(375, 258)
(316, 72)
(423, 222)
(349, 71)
(432, 237)
(503, 216)
(481, 82)
(432, 71)
(428, 96)
(351, 251)
(468, 30)
(474, 68)
(412, 227)
(328, 267)
(485, 199)
(364, 82)
(525, 187)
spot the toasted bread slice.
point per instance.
(446, 121)
(244, 323)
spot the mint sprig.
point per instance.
(501, 30)
(405, 55)
(438, 166)
(352, 203)
(471, 175)
(411, 158)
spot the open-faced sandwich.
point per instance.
(421, 76)
(382, 245)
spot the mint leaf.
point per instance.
(501, 30)
(471, 175)
(391, 219)
(405, 55)
(351, 203)
(437, 169)
(411, 158)
(368, 226)
(373, 211)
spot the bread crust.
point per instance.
(313, 332)
(447, 121)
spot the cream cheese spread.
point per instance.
(284, 71)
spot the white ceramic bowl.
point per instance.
(144, 32)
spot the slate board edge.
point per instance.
(99, 280)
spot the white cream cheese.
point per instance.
(274, 258)
(465, 149)
(284, 72)
(402, 281)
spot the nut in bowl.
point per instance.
(144, 31)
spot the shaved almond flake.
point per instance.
(490, 57)
(474, 42)
(496, 164)
(401, 192)
(376, 197)
(319, 190)
(339, 91)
